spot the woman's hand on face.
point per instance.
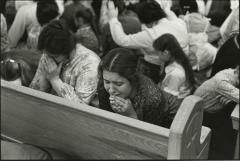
(122, 106)
(52, 70)
(112, 10)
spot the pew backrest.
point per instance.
(82, 131)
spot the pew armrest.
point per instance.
(188, 139)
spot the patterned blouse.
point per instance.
(79, 76)
(148, 101)
(4, 37)
(224, 84)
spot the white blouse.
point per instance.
(175, 82)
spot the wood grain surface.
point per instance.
(79, 130)
(86, 132)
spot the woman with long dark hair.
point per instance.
(126, 92)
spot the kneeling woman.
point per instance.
(127, 92)
(178, 81)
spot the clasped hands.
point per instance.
(122, 106)
(50, 68)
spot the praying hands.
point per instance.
(122, 106)
(51, 69)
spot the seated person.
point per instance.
(218, 91)
(70, 10)
(19, 66)
(69, 14)
(126, 92)
(68, 68)
(178, 81)
(28, 22)
(228, 55)
(87, 30)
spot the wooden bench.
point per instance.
(82, 131)
(235, 122)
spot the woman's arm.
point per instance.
(228, 90)
(18, 27)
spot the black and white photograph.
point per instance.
(120, 79)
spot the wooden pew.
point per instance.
(86, 132)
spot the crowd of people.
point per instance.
(137, 58)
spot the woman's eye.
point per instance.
(106, 82)
(119, 84)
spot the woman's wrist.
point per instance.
(131, 113)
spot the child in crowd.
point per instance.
(69, 14)
(87, 30)
(179, 81)
(127, 92)
(68, 68)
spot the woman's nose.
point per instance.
(111, 90)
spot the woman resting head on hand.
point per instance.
(129, 93)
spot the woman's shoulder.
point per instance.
(175, 69)
(148, 88)
(87, 53)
